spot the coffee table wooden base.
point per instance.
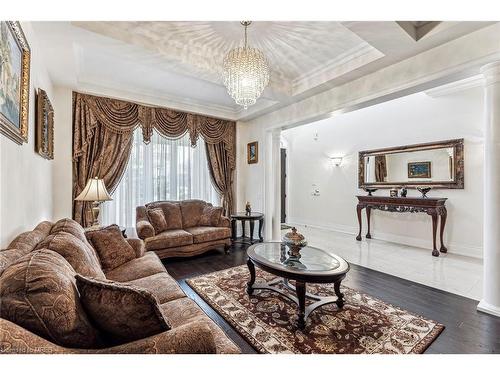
(300, 290)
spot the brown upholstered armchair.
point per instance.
(191, 227)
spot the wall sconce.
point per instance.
(336, 161)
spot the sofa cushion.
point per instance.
(138, 268)
(157, 219)
(9, 256)
(122, 311)
(79, 255)
(169, 238)
(206, 234)
(27, 241)
(172, 212)
(39, 294)
(69, 226)
(210, 216)
(191, 212)
(111, 246)
(161, 285)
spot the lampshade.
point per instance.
(95, 190)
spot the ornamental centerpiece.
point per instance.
(295, 241)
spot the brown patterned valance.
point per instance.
(121, 117)
(102, 141)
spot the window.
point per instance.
(165, 169)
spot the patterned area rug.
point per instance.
(268, 321)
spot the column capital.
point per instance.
(491, 72)
(276, 133)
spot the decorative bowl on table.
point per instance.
(424, 190)
(295, 241)
(370, 191)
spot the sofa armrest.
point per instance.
(224, 222)
(138, 246)
(143, 226)
(194, 338)
(15, 339)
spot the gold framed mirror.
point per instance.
(436, 164)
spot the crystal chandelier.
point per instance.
(245, 73)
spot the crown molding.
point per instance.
(348, 61)
(457, 86)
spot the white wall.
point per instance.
(25, 177)
(62, 177)
(413, 119)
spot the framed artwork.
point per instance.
(14, 82)
(44, 129)
(420, 169)
(253, 152)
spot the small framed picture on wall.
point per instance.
(253, 152)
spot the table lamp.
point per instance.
(95, 191)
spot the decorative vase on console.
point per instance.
(403, 192)
(248, 209)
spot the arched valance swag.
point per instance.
(102, 140)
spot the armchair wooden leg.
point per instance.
(227, 248)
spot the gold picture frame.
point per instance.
(253, 152)
(14, 82)
(44, 129)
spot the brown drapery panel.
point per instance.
(380, 168)
(102, 140)
(221, 174)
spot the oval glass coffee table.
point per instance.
(312, 266)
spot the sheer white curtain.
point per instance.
(164, 169)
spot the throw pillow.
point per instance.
(157, 220)
(39, 293)
(210, 216)
(122, 311)
(112, 248)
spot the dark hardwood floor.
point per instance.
(467, 331)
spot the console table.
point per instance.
(435, 207)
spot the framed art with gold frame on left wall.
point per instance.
(44, 126)
(15, 58)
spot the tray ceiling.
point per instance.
(178, 64)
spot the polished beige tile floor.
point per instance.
(449, 272)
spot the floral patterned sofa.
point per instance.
(183, 228)
(57, 307)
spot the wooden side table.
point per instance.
(251, 218)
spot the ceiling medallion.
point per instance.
(245, 73)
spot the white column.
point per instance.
(276, 172)
(491, 226)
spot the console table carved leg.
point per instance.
(261, 224)
(444, 214)
(243, 228)
(434, 216)
(300, 288)
(251, 268)
(252, 227)
(368, 212)
(358, 210)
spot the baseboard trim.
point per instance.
(488, 308)
(453, 248)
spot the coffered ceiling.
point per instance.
(178, 64)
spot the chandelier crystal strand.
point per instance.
(245, 73)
